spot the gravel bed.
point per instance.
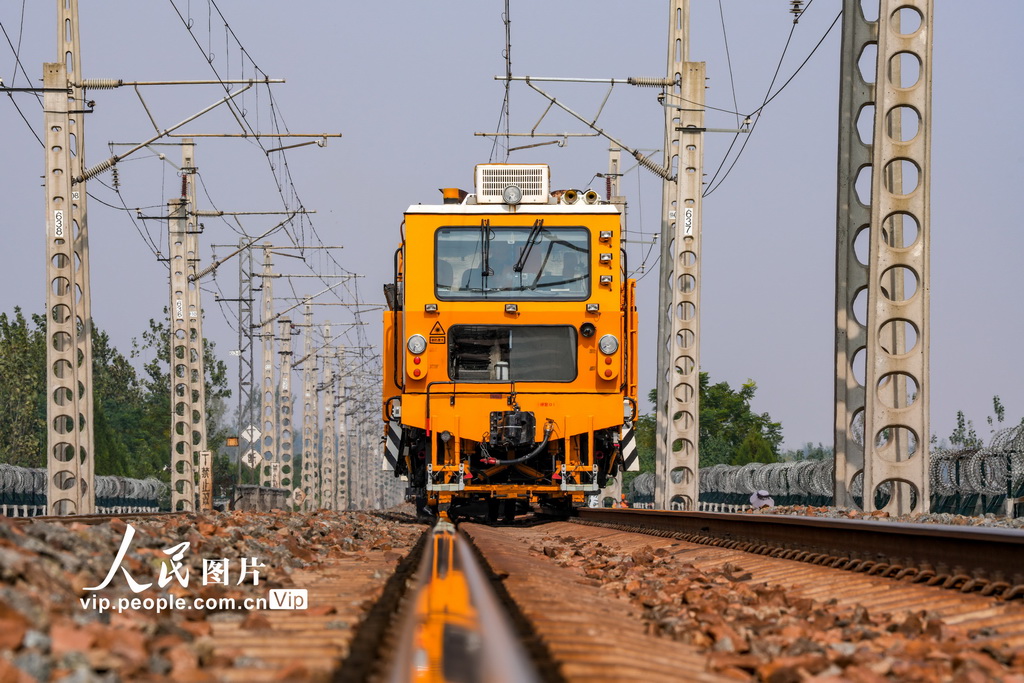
(757, 631)
(988, 520)
(46, 633)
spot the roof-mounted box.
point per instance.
(533, 181)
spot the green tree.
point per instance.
(23, 430)
(726, 422)
(131, 414)
(808, 452)
(964, 435)
(118, 398)
(22, 390)
(1000, 412)
(156, 381)
(730, 432)
(225, 473)
(753, 448)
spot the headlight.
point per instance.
(609, 344)
(417, 344)
(396, 409)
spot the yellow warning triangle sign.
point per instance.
(437, 329)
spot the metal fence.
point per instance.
(969, 481)
(23, 493)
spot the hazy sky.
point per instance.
(409, 83)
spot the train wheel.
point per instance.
(425, 512)
(559, 508)
(493, 508)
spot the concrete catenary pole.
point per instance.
(285, 410)
(852, 218)
(678, 378)
(896, 419)
(69, 403)
(328, 436)
(342, 470)
(882, 423)
(185, 347)
(268, 398)
(195, 339)
(309, 412)
(183, 488)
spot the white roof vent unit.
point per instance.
(533, 180)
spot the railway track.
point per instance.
(768, 618)
(987, 560)
(572, 601)
(595, 603)
(91, 519)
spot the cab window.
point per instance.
(512, 263)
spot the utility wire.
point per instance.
(27, 122)
(778, 67)
(17, 61)
(17, 51)
(504, 115)
(802, 64)
(728, 59)
(769, 96)
(285, 185)
(146, 238)
(17, 64)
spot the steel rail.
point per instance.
(454, 627)
(98, 518)
(964, 557)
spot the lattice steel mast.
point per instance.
(247, 415)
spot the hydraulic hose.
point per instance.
(535, 452)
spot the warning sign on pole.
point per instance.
(251, 458)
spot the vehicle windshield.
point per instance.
(512, 353)
(512, 263)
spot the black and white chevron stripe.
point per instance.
(627, 445)
(392, 447)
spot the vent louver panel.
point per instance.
(532, 179)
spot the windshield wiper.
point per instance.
(528, 247)
(485, 248)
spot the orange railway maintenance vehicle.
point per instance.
(510, 366)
